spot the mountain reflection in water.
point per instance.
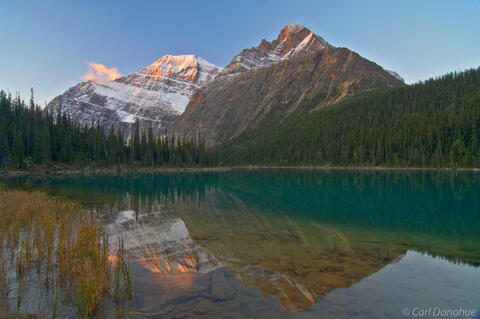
(160, 245)
(205, 243)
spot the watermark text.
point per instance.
(439, 312)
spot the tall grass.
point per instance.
(123, 274)
(61, 243)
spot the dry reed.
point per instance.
(63, 242)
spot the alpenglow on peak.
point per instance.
(293, 40)
(188, 67)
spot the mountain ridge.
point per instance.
(290, 42)
(272, 80)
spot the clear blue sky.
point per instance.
(46, 44)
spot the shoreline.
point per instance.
(89, 171)
(364, 168)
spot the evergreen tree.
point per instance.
(18, 150)
(5, 157)
(475, 140)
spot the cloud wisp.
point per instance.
(100, 73)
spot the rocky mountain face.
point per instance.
(274, 79)
(155, 96)
(293, 41)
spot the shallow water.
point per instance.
(289, 243)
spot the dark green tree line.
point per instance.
(30, 136)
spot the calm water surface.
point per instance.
(289, 243)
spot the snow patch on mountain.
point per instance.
(294, 40)
(121, 93)
(395, 75)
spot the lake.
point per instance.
(288, 243)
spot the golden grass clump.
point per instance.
(123, 274)
(62, 242)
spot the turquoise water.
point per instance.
(289, 243)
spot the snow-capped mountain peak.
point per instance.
(154, 96)
(188, 67)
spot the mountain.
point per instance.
(267, 83)
(155, 96)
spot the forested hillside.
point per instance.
(434, 123)
(30, 136)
